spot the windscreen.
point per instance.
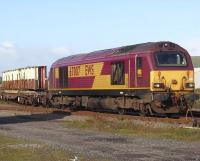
(170, 58)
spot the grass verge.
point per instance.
(20, 150)
(127, 127)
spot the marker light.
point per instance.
(189, 85)
(158, 85)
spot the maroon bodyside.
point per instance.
(81, 82)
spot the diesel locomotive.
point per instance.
(153, 77)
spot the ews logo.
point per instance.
(89, 70)
(81, 70)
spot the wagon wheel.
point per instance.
(121, 111)
(34, 102)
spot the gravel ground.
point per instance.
(46, 128)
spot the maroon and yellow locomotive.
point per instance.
(154, 77)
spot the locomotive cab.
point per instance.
(172, 79)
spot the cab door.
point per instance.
(137, 70)
(63, 77)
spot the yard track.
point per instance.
(178, 120)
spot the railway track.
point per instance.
(174, 119)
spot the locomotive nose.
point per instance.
(173, 80)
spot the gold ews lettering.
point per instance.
(89, 69)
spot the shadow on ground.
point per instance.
(33, 117)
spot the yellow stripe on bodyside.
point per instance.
(104, 82)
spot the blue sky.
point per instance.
(37, 32)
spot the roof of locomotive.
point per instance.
(107, 53)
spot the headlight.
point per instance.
(158, 85)
(189, 85)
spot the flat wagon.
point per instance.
(24, 84)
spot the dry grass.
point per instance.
(126, 127)
(20, 150)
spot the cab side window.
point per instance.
(139, 66)
(117, 73)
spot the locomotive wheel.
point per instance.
(73, 107)
(121, 111)
(61, 106)
(145, 110)
(49, 104)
